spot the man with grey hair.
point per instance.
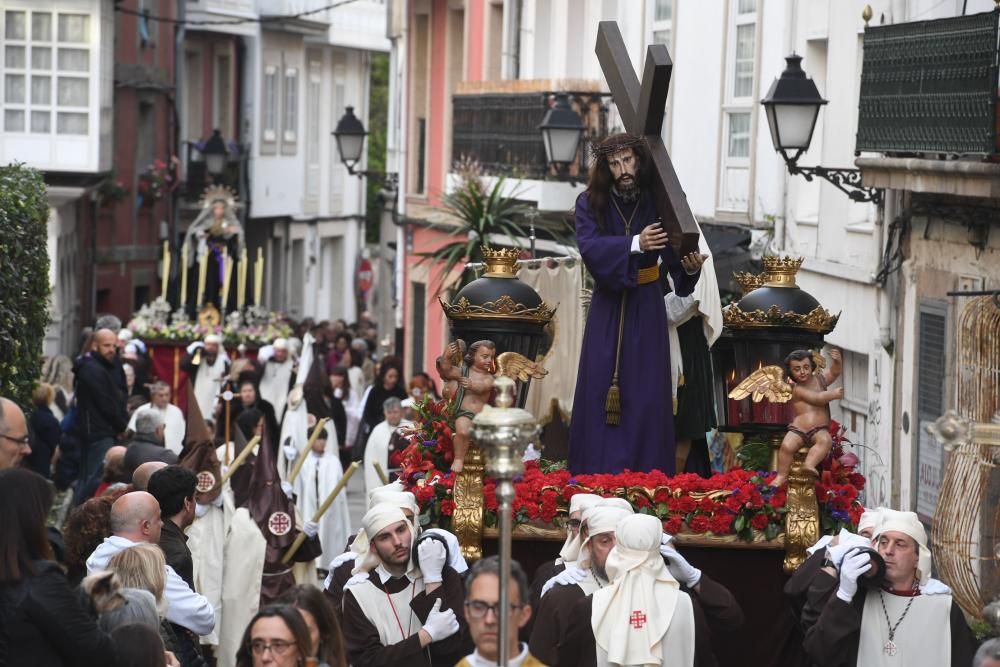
(135, 519)
(147, 443)
(173, 418)
(377, 449)
(988, 654)
(14, 444)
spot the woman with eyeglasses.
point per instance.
(276, 637)
(326, 641)
(42, 621)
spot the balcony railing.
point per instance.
(500, 131)
(930, 87)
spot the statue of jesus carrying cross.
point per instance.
(623, 406)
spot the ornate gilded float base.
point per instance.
(467, 520)
(802, 519)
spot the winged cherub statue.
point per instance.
(807, 389)
(469, 380)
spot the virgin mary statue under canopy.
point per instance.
(218, 233)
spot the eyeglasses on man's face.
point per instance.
(23, 441)
(478, 608)
(276, 647)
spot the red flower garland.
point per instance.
(738, 502)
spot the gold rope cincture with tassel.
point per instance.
(613, 404)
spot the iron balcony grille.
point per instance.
(500, 131)
(930, 87)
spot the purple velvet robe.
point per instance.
(644, 438)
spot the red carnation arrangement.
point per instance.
(738, 502)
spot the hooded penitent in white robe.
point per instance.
(208, 382)
(318, 476)
(206, 540)
(173, 418)
(241, 580)
(377, 449)
(641, 585)
(295, 426)
(275, 383)
(704, 302)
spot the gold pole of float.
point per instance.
(305, 450)
(381, 473)
(321, 511)
(238, 461)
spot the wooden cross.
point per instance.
(641, 109)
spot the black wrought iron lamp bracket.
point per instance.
(847, 181)
(387, 180)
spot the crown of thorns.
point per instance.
(600, 149)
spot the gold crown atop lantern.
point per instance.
(500, 262)
(748, 281)
(780, 271)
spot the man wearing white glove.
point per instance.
(207, 369)
(910, 620)
(597, 530)
(816, 578)
(402, 614)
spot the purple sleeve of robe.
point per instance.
(608, 258)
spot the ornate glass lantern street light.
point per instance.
(792, 105)
(216, 154)
(561, 131)
(350, 135)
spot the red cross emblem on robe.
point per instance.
(279, 523)
(206, 481)
(637, 620)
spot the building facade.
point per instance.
(725, 56)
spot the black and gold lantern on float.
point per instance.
(773, 318)
(499, 307)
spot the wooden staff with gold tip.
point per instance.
(238, 461)
(305, 450)
(321, 511)
(381, 473)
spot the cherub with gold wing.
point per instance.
(468, 382)
(807, 389)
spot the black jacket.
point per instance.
(44, 624)
(46, 435)
(140, 450)
(100, 400)
(173, 542)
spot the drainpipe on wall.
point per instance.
(886, 214)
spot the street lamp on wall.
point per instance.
(792, 106)
(561, 130)
(216, 154)
(350, 135)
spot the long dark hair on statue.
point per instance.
(600, 181)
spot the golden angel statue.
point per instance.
(808, 390)
(468, 378)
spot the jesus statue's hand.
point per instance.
(692, 262)
(652, 238)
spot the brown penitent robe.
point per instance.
(363, 630)
(545, 571)
(274, 514)
(809, 588)
(335, 592)
(555, 639)
(797, 586)
(834, 639)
